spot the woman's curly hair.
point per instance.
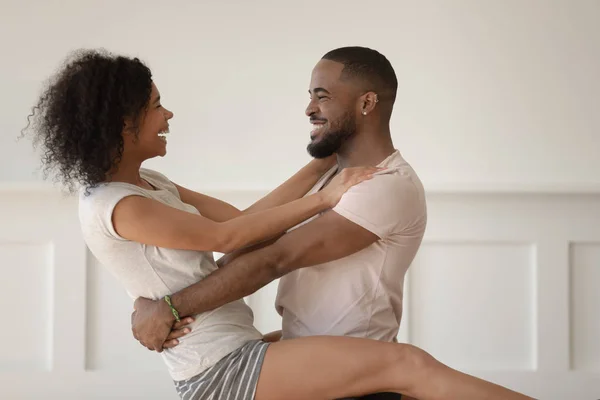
(80, 116)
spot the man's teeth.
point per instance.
(316, 127)
(163, 133)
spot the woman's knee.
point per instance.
(412, 356)
(413, 364)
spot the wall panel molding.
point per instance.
(510, 272)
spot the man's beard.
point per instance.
(333, 139)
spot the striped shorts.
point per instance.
(234, 377)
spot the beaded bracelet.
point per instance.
(173, 310)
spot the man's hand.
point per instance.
(151, 322)
(178, 331)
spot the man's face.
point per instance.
(332, 109)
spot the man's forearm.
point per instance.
(329, 237)
(238, 279)
(229, 257)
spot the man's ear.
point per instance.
(369, 102)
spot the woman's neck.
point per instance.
(128, 172)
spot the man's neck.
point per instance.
(365, 150)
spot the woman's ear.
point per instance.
(128, 126)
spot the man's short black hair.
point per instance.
(368, 65)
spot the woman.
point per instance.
(99, 120)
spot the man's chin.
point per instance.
(315, 152)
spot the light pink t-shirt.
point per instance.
(361, 295)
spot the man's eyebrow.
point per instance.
(319, 90)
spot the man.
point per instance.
(342, 272)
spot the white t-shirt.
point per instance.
(153, 272)
(361, 295)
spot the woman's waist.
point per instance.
(234, 317)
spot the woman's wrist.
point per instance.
(323, 200)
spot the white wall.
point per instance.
(497, 110)
(505, 287)
(491, 92)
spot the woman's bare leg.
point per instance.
(328, 367)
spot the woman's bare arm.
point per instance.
(292, 189)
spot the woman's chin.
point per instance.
(162, 151)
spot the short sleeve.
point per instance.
(381, 204)
(159, 181)
(96, 209)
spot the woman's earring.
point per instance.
(364, 113)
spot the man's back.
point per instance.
(361, 294)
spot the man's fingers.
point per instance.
(183, 322)
(171, 340)
(132, 326)
(177, 333)
(170, 344)
(149, 347)
(158, 347)
(145, 345)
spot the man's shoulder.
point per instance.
(396, 181)
(388, 202)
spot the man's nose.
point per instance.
(310, 109)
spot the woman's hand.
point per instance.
(347, 178)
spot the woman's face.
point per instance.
(151, 140)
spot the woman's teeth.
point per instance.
(163, 135)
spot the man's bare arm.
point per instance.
(229, 257)
(325, 239)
